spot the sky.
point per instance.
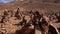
(5, 1)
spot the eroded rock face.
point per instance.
(27, 22)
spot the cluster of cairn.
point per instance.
(29, 22)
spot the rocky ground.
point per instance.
(30, 18)
(24, 22)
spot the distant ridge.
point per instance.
(34, 5)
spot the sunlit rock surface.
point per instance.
(30, 17)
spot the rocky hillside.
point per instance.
(30, 18)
